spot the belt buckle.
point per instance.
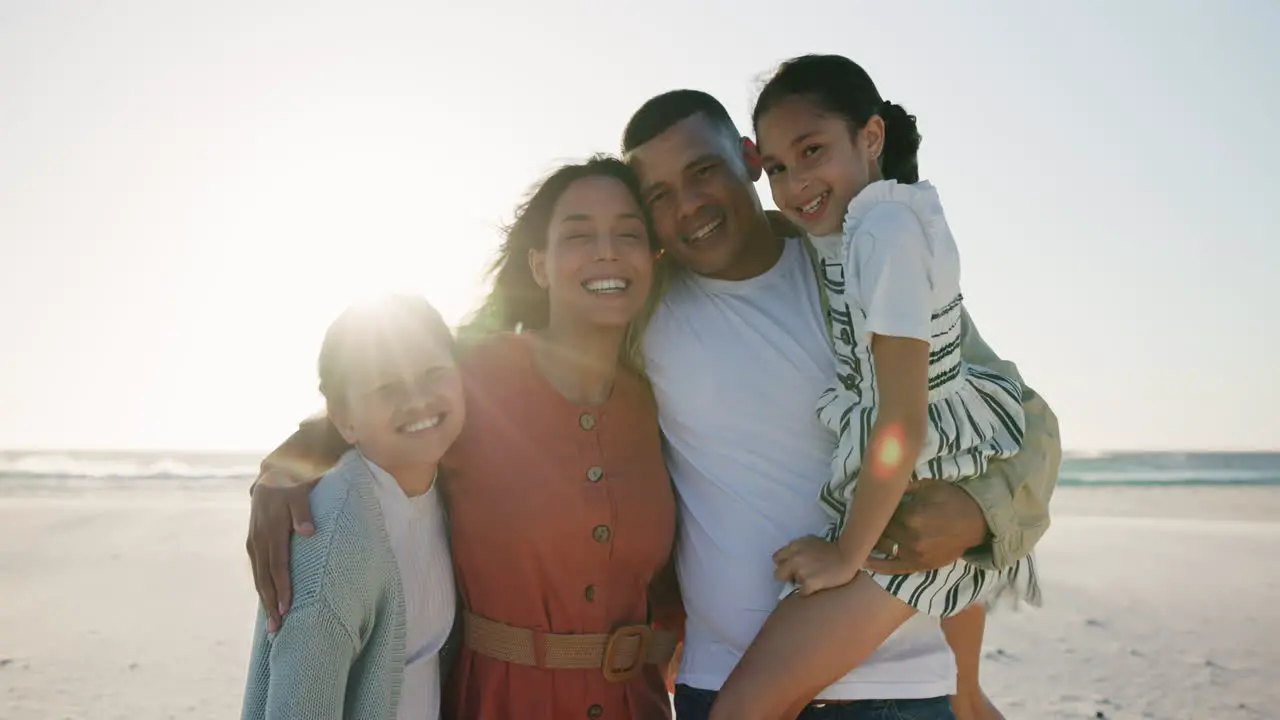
(644, 634)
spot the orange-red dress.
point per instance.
(561, 515)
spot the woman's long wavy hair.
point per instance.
(516, 302)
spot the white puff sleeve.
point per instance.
(892, 258)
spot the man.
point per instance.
(737, 351)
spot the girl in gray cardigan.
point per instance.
(373, 586)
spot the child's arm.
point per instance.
(992, 520)
(902, 379)
(890, 260)
(310, 659)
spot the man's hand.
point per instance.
(935, 525)
(278, 507)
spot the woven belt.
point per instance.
(619, 655)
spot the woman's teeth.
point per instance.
(421, 425)
(705, 230)
(606, 285)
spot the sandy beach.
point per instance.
(137, 603)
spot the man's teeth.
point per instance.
(421, 425)
(815, 204)
(706, 230)
(606, 285)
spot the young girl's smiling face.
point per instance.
(400, 398)
(817, 162)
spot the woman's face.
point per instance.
(597, 267)
(815, 163)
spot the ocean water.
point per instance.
(43, 470)
(73, 469)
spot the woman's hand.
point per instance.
(279, 507)
(814, 564)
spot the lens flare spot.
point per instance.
(887, 455)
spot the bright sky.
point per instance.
(190, 191)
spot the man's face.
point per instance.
(697, 180)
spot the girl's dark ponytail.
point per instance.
(901, 144)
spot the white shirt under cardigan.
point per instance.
(343, 652)
(737, 367)
(419, 539)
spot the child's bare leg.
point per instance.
(806, 644)
(984, 709)
(964, 634)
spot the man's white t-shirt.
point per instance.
(737, 368)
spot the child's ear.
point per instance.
(871, 136)
(340, 416)
(538, 265)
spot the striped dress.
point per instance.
(895, 271)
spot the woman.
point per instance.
(561, 510)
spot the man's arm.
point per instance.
(1014, 494)
(992, 520)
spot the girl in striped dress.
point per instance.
(842, 165)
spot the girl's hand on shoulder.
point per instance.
(814, 564)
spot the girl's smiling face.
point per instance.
(394, 390)
(817, 162)
(406, 409)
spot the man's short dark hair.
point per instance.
(660, 112)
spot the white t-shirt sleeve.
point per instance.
(892, 259)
